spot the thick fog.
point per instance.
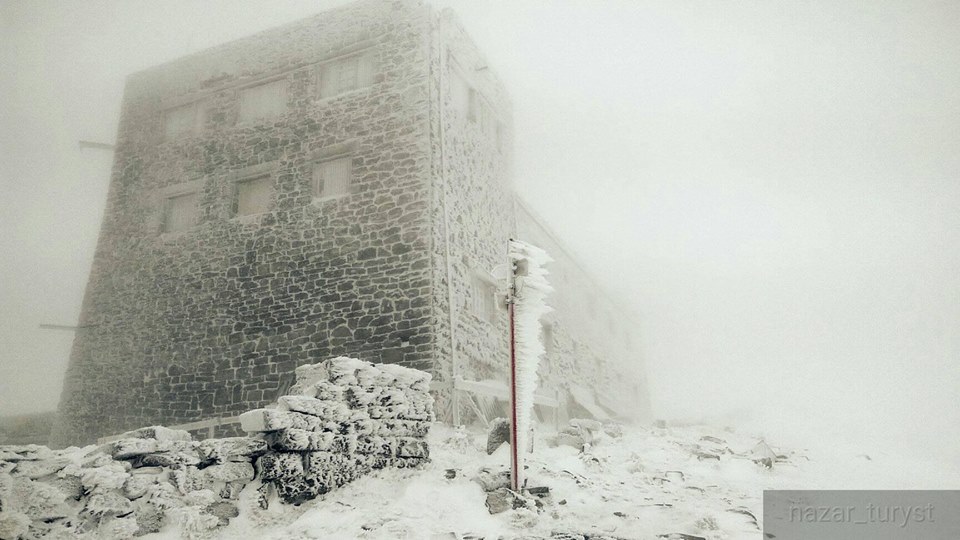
(773, 186)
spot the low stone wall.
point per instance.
(343, 419)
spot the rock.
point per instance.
(539, 492)
(149, 519)
(110, 476)
(587, 424)
(118, 528)
(660, 424)
(13, 525)
(231, 490)
(328, 410)
(158, 433)
(229, 472)
(262, 420)
(503, 499)
(70, 485)
(613, 429)
(167, 460)
(409, 447)
(188, 479)
(109, 503)
(492, 481)
(499, 433)
(231, 449)
(569, 439)
(39, 468)
(131, 447)
(223, 510)
(280, 466)
(703, 456)
(136, 485)
(300, 440)
(450, 474)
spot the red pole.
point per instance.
(515, 452)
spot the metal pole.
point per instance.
(515, 471)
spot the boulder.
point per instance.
(503, 499)
(499, 433)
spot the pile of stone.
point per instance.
(343, 418)
(125, 488)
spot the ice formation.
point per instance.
(530, 306)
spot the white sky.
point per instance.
(774, 185)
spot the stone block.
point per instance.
(231, 449)
(409, 447)
(229, 472)
(39, 468)
(300, 440)
(263, 420)
(273, 466)
(158, 433)
(332, 411)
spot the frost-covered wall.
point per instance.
(212, 320)
(199, 307)
(344, 418)
(591, 340)
(472, 209)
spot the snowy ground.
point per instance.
(648, 482)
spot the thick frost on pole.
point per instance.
(529, 290)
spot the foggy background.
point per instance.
(774, 186)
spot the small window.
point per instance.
(180, 212)
(183, 121)
(546, 334)
(253, 195)
(463, 97)
(332, 178)
(346, 74)
(483, 299)
(264, 101)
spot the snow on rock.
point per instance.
(344, 419)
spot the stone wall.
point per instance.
(591, 340)
(344, 419)
(210, 321)
(472, 213)
(213, 320)
(475, 211)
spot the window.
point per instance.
(346, 74)
(333, 177)
(488, 121)
(463, 97)
(483, 299)
(253, 195)
(183, 121)
(546, 333)
(263, 101)
(179, 212)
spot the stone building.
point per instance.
(337, 186)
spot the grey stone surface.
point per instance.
(213, 320)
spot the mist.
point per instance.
(771, 186)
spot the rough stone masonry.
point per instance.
(343, 419)
(340, 185)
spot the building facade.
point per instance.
(337, 186)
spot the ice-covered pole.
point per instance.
(526, 301)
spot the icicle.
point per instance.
(531, 290)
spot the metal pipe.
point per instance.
(515, 471)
